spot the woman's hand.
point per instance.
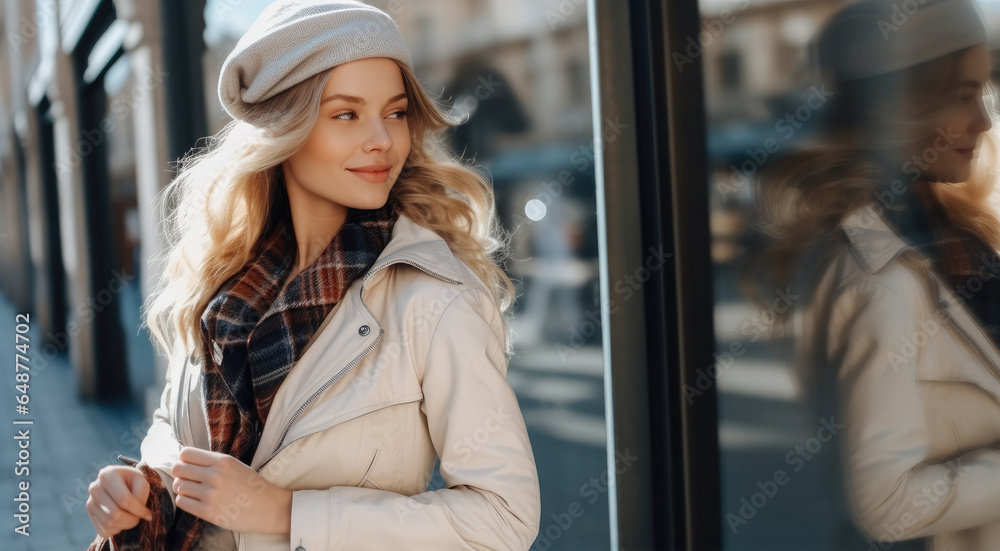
(223, 490)
(118, 500)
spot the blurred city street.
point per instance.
(71, 440)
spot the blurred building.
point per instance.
(84, 150)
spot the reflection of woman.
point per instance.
(333, 316)
(898, 213)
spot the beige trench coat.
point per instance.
(408, 367)
(919, 393)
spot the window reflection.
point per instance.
(779, 452)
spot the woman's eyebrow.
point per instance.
(970, 84)
(359, 100)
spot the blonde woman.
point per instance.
(334, 313)
(896, 217)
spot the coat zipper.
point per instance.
(288, 426)
(415, 265)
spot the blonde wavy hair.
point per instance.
(803, 196)
(219, 204)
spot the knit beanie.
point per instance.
(293, 40)
(874, 37)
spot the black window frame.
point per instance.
(653, 190)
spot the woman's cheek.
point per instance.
(401, 140)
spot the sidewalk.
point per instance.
(70, 441)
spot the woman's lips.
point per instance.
(372, 176)
(967, 153)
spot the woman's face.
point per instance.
(359, 143)
(947, 154)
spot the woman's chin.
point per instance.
(369, 203)
(953, 177)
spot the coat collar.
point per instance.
(873, 242)
(418, 246)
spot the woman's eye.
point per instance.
(348, 114)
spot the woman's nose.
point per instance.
(983, 120)
(378, 136)
(987, 122)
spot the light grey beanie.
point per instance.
(875, 37)
(293, 40)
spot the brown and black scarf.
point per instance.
(253, 332)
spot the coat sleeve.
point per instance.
(492, 498)
(160, 448)
(896, 492)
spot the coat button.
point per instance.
(363, 330)
(300, 548)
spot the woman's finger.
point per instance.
(190, 489)
(190, 504)
(112, 518)
(197, 456)
(189, 471)
(125, 499)
(103, 504)
(97, 516)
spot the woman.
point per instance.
(897, 213)
(334, 318)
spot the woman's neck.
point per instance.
(315, 219)
(312, 237)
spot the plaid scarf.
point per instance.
(253, 332)
(955, 254)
